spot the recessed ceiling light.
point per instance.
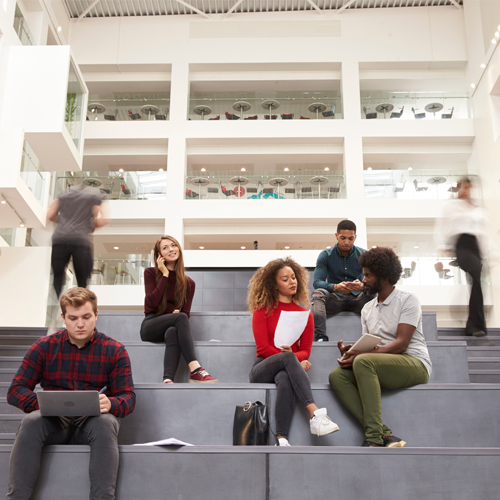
(410, 168)
(202, 248)
(116, 248)
(416, 246)
(243, 248)
(2, 200)
(326, 168)
(473, 85)
(160, 170)
(59, 28)
(21, 225)
(497, 34)
(243, 169)
(493, 41)
(286, 248)
(483, 65)
(203, 169)
(369, 168)
(120, 170)
(328, 247)
(374, 246)
(286, 169)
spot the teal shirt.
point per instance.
(332, 268)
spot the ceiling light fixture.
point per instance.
(21, 224)
(410, 168)
(2, 200)
(374, 246)
(326, 168)
(202, 248)
(59, 29)
(203, 169)
(160, 170)
(416, 246)
(243, 248)
(497, 34)
(286, 169)
(286, 248)
(369, 168)
(116, 248)
(473, 85)
(483, 65)
(328, 247)
(120, 170)
(493, 41)
(243, 169)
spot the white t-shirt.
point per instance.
(382, 319)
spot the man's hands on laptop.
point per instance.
(347, 358)
(349, 286)
(104, 403)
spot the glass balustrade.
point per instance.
(387, 105)
(136, 185)
(9, 236)
(417, 184)
(277, 184)
(436, 271)
(33, 174)
(22, 29)
(131, 106)
(120, 270)
(324, 105)
(73, 116)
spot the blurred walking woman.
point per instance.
(277, 288)
(462, 230)
(167, 306)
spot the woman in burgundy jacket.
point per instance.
(169, 295)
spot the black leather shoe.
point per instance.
(321, 338)
(371, 444)
(394, 442)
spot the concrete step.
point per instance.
(272, 473)
(488, 363)
(442, 415)
(483, 351)
(455, 332)
(232, 361)
(7, 438)
(17, 340)
(237, 326)
(7, 374)
(474, 341)
(23, 331)
(484, 376)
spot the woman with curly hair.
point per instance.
(279, 287)
(169, 294)
(401, 359)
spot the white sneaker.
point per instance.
(321, 424)
(283, 442)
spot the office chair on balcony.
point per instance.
(287, 116)
(230, 116)
(159, 116)
(419, 188)
(399, 187)
(369, 116)
(111, 117)
(408, 271)
(396, 114)
(443, 273)
(330, 112)
(251, 117)
(216, 118)
(447, 116)
(333, 190)
(134, 116)
(273, 117)
(418, 116)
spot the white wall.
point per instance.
(25, 273)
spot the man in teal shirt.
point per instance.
(338, 280)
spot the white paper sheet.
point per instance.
(290, 327)
(165, 442)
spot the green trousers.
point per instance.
(359, 388)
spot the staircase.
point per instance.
(451, 425)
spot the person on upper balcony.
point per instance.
(167, 306)
(338, 279)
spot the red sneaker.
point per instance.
(201, 377)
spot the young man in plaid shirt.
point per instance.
(78, 358)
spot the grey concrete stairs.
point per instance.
(483, 353)
(446, 458)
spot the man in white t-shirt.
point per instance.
(401, 359)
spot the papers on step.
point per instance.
(165, 442)
(290, 327)
(367, 342)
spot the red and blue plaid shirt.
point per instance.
(58, 365)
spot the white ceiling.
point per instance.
(130, 8)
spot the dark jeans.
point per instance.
(331, 303)
(35, 432)
(173, 329)
(469, 259)
(291, 380)
(83, 261)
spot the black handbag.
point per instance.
(251, 425)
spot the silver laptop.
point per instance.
(69, 403)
